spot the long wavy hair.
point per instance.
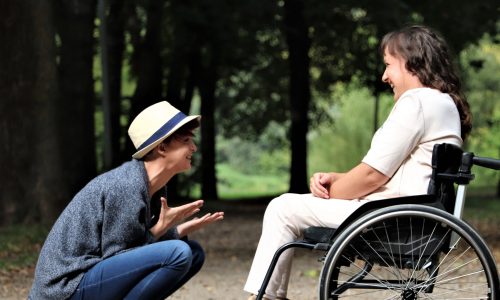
(428, 57)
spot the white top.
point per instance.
(402, 147)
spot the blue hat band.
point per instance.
(163, 130)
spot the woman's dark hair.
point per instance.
(428, 57)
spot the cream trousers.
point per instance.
(284, 221)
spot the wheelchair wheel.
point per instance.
(409, 252)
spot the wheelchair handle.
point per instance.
(464, 175)
(487, 162)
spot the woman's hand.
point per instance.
(198, 223)
(320, 183)
(170, 216)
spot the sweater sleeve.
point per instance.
(72, 246)
(171, 234)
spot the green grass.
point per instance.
(20, 245)
(236, 185)
(481, 204)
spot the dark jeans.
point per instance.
(153, 271)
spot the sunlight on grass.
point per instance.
(236, 185)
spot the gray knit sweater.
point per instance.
(111, 214)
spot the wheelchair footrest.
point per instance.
(315, 234)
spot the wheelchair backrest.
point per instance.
(446, 162)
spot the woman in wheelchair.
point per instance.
(429, 108)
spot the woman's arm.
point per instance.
(358, 182)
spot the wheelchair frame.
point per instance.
(440, 210)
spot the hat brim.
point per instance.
(140, 154)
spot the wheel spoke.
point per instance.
(404, 254)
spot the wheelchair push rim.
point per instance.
(409, 252)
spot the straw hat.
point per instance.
(154, 124)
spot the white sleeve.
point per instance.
(393, 143)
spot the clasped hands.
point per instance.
(170, 216)
(320, 184)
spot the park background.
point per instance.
(285, 88)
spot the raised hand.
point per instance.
(197, 223)
(170, 216)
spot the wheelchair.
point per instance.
(414, 247)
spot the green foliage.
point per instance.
(252, 107)
(233, 184)
(480, 205)
(341, 143)
(247, 167)
(481, 65)
(269, 155)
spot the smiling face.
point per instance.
(397, 76)
(179, 152)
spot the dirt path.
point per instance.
(229, 256)
(229, 247)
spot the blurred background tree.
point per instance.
(286, 88)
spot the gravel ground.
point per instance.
(229, 247)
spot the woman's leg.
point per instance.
(197, 263)
(143, 289)
(146, 272)
(284, 220)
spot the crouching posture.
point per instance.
(118, 238)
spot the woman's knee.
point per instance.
(278, 207)
(178, 254)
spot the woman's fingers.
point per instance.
(163, 201)
(318, 184)
(164, 208)
(207, 219)
(210, 218)
(192, 208)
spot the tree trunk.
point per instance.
(298, 41)
(149, 70)
(32, 188)
(176, 76)
(76, 106)
(192, 79)
(207, 90)
(177, 83)
(115, 45)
